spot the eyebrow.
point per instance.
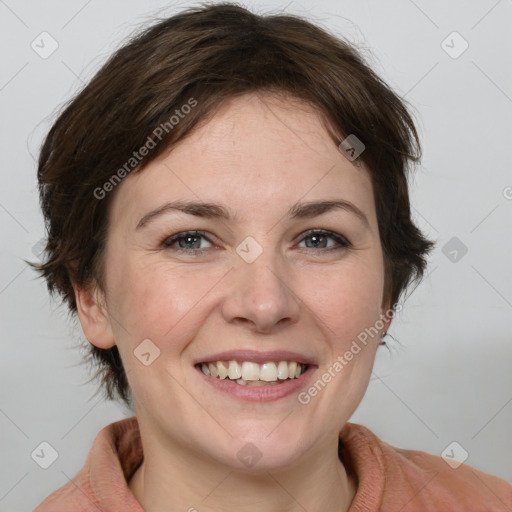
(217, 211)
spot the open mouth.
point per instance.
(248, 373)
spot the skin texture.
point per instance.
(257, 156)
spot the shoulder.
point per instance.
(101, 484)
(413, 480)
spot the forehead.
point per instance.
(255, 150)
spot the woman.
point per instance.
(229, 218)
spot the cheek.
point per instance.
(153, 300)
(347, 300)
(350, 308)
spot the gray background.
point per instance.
(448, 378)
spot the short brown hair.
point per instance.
(213, 53)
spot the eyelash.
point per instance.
(168, 243)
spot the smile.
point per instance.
(249, 373)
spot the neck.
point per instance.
(183, 483)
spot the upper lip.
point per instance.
(256, 356)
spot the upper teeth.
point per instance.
(268, 372)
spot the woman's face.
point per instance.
(255, 286)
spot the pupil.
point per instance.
(186, 240)
(316, 239)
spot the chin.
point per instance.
(261, 449)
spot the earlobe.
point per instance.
(94, 316)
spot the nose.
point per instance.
(260, 296)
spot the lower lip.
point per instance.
(259, 393)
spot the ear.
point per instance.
(386, 316)
(386, 319)
(93, 316)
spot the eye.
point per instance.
(190, 241)
(319, 239)
(187, 241)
